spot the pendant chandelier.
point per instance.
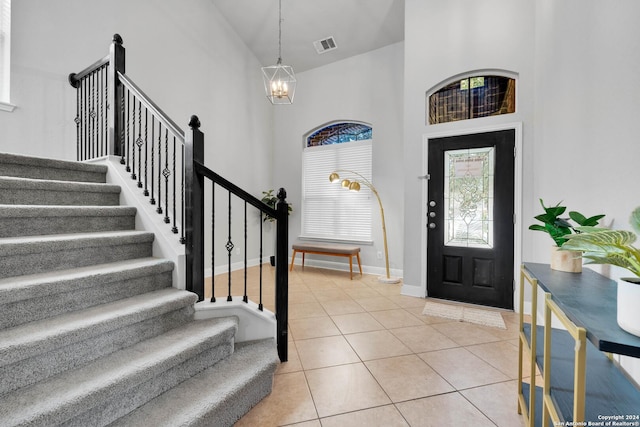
(279, 80)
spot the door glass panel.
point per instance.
(468, 197)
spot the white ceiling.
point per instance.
(357, 26)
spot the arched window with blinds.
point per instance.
(329, 212)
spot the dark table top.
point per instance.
(589, 299)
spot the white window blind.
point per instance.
(330, 211)
(5, 37)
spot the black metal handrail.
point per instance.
(114, 117)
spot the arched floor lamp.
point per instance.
(354, 185)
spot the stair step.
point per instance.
(218, 396)
(39, 349)
(112, 386)
(42, 168)
(33, 220)
(34, 297)
(26, 191)
(39, 254)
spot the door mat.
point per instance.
(464, 314)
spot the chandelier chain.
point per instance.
(279, 31)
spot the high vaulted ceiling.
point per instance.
(358, 26)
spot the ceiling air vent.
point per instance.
(325, 45)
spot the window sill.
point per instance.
(5, 106)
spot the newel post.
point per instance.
(116, 96)
(194, 208)
(282, 273)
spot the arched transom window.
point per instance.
(472, 97)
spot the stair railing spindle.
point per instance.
(146, 149)
(159, 208)
(166, 173)
(245, 297)
(229, 249)
(174, 229)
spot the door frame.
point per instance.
(517, 197)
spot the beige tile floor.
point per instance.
(361, 354)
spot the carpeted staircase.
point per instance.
(92, 332)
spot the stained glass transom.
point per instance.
(338, 133)
(472, 97)
(468, 197)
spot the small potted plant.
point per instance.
(615, 247)
(270, 199)
(559, 229)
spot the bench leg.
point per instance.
(351, 266)
(359, 265)
(293, 257)
(303, 260)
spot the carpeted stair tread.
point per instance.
(64, 396)
(218, 396)
(35, 211)
(30, 220)
(26, 244)
(38, 337)
(44, 168)
(27, 191)
(38, 254)
(14, 289)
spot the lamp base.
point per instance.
(385, 279)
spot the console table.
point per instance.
(581, 382)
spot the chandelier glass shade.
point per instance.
(279, 80)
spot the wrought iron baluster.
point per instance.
(102, 148)
(94, 116)
(260, 306)
(139, 143)
(183, 240)
(90, 79)
(122, 130)
(133, 141)
(77, 120)
(245, 298)
(85, 119)
(153, 127)
(174, 229)
(106, 107)
(213, 245)
(159, 209)
(166, 173)
(229, 247)
(128, 136)
(146, 148)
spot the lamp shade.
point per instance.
(279, 83)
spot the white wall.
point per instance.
(364, 88)
(446, 39)
(184, 55)
(586, 108)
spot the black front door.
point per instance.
(471, 218)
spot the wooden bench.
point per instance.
(331, 249)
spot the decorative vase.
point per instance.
(628, 303)
(568, 261)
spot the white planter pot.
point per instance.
(568, 261)
(628, 303)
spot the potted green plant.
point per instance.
(615, 247)
(559, 229)
(270, 199)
